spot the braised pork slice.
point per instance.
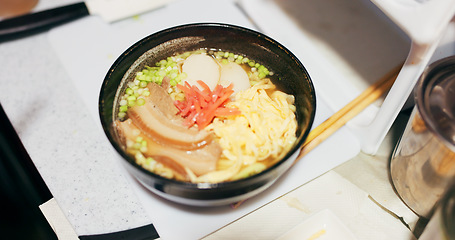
(200, 161)
(158, 118)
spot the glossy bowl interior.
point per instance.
(294, 79)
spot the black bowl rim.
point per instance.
(220, 185)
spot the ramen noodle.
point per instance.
(206, 117)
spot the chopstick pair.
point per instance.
(348, 112)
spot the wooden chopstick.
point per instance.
(348, 112)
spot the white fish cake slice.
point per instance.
(234, 73)
(201, 67)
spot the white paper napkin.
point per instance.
(57, 220)
(371, 173)
(357, 212)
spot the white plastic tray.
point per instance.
(425, 22)
(89, 46)
(323, 225)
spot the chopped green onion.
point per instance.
(143, 149)
(137, 145)
(123, 108)
(146, 93)
(261, 75)
(140, 101)
(143, 84)
(131, 103)
(121, 114)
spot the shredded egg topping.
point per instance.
(264, 130)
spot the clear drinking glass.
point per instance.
(423, 162)
(442, 225)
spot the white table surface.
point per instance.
(34, 88)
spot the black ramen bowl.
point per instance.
(293, 79)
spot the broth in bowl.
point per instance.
(206, 116)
